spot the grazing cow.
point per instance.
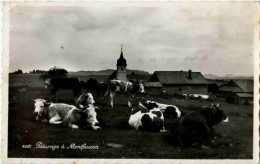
(169, 111)
(103, 89)
(196, 128)
(53, 113)
(85, 100)
(124, 87)
(76, 118)
(65, 83)
(144, 119)
(92, 86)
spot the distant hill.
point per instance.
(107, 72)
(228, 76)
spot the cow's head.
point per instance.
(141, 88)
(214, 114)
(39, 106)
(91, 116)
(150, 104)
(151, 122)
(84, 100)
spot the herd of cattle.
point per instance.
(188, 129)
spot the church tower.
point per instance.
(121, 68)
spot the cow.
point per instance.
(144, 119)
(53, 113)
(85, 100)
(76, 118)
(127, 88)
(91, 86)
(65, 83)
(196, 128)
(169, 111)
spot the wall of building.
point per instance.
(121, 73)
(186, 89)
(153, 91)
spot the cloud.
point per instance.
(153, 38)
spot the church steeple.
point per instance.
(121, 67)
(121, 61)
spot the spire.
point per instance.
(121, 61)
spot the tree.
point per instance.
(54, 73)
(19, 71)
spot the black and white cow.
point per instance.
(127, 88)
(169, 111)
(144, 119)
(196, 128)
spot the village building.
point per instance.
(237, 91)
(182, 82)
(153, 88)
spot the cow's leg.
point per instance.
(44, 120)
(96, 128)
(130, 101)
(112, 94)
(55, 120)
(73, 126)
(53, 94)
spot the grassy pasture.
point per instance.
(236, 141)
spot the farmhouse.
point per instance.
(238, 91)
(183, 82)
(153, 88)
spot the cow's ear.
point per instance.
(47, 103)
(218, 105)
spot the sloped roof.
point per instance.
(245, 85)
(180, 77)
(245, 95)
(152, 84)
(230, 88)
(121, 61)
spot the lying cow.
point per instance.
(53, 113)
(85, 100)
(196, 128)
(124, 87)
(144, 119)
(169, 111)
(76, 118)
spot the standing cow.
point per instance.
(65, 83)
(127, 88)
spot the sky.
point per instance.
(215, 38)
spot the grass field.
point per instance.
(236, 141)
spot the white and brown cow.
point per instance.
(127, 88)
(76, 118)
(169, 111)
(85, 99)
(53, 113)
(144, 119)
